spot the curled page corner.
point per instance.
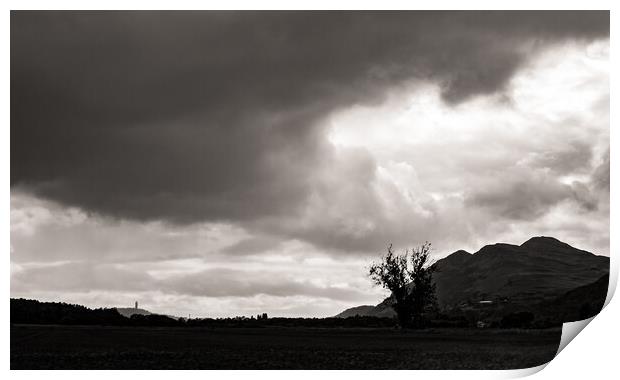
(570, 330)
(613, 280)
(525, 372)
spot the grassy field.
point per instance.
(88, 347)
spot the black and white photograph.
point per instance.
(305, 189)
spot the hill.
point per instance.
(356, 311)
(25, 311)
(35, 312)
(379, 311)
(513, 277)
(541, 268)
(129, 311)
(580, 303)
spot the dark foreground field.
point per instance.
(90, 347)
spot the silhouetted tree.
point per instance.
(409, 277)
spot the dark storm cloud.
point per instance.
(520, 198)
(215, 115)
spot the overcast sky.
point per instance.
(226, 163)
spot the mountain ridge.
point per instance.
(537, 271)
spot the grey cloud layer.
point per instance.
(211, 116)
(217, 282)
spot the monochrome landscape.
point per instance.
(306, 190)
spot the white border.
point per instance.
(591, 355)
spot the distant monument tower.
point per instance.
(136, 305)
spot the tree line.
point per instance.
(25, 311)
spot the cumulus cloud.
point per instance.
(487, 167)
